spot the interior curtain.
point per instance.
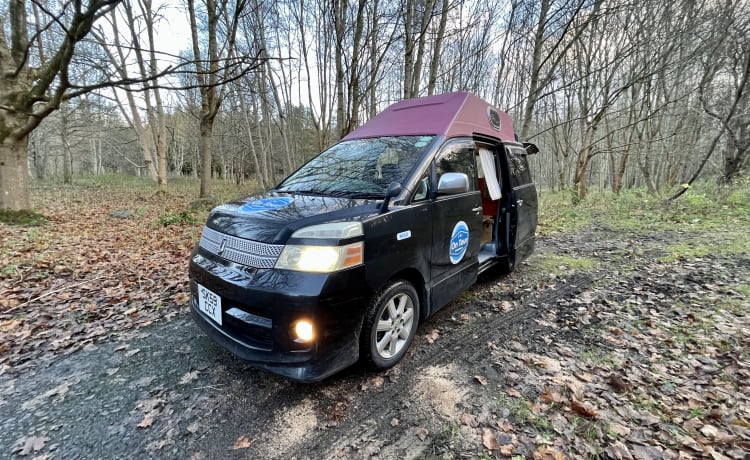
(490, 175)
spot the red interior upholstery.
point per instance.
(489, 206)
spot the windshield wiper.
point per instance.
(302, 192)
(364, 195)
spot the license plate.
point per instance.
(209, 303)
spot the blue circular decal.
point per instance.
(459, 242)
(266, 204)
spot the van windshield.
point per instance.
(359, 168)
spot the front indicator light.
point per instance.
(303, 331)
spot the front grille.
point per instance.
(239, 250)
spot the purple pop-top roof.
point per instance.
(450, 115)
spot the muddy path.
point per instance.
(479, 381)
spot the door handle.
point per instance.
(519, 202)
(478, 209)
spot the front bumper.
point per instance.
(259, 307)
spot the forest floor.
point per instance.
(626, 335)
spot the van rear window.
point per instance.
(358, 168)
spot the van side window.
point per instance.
(519, 168)
(458, 157)
(423, 188)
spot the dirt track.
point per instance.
(535, 364)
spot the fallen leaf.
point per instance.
(32, 444)
(482, 380)
(618, 383)
(421, 433)
(60, 391)
(688, 442)
(189, 377)
(647, 452)
(467, 419)
(504, 425)
(513, 392)
(709, 431)
(619, 451)
(507, 449)
(432, 336)
(582, 408)
(182, 298)
(241, 443)
(550, 396)
(489, 440)
(545, 453)
(147, 421)
(619, 429)
(9, 325)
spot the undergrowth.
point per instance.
(703, 207)
(24, 218)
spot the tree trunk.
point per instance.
(432, 81)
(14, 174)
(207, 139)
(67, 154)
(340, 15)
(408, 48)
(534, 77)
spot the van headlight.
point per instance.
(326, 256)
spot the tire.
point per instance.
(390, 325)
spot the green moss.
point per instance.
(184, 217)
(552, 263)
(703, 207)
(22, 218)
(730, 241)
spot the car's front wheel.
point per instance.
(390, 324)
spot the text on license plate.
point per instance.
(209, 303)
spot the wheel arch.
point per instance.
(413, 276)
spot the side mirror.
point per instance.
(452, 183)
(530, 148)
(394, 189)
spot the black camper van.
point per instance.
(344, 258)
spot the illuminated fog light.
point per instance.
(303, 330)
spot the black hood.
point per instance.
(273, 217)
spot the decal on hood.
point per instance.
(266, 204)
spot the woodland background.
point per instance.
(639, 93)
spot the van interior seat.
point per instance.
(390, 173)
(389, 157)
(489, 206)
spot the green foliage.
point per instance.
(703, 207)
(554, 262)
(22, 218)
(9, 271)
(184, 217)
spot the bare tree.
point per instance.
(221, 18)
(29, 92)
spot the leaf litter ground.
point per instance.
(628, 356)
(87, 274)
